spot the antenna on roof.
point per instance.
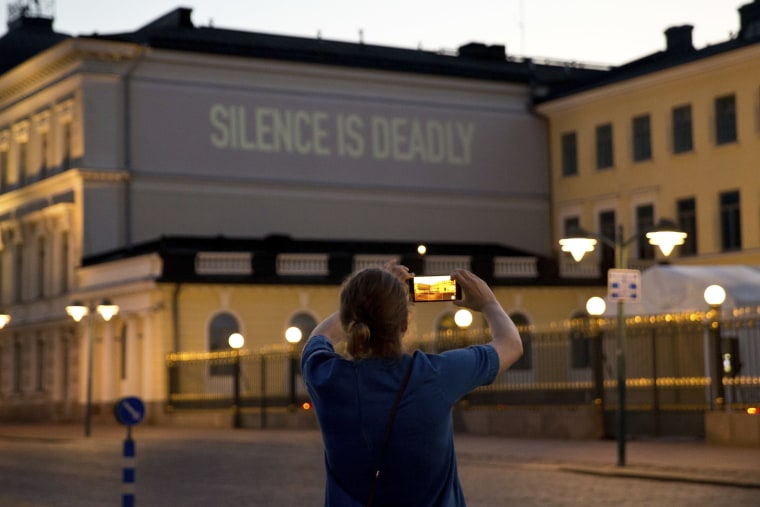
(361, 36)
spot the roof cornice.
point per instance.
(710, 65)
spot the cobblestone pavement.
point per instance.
(42, 466)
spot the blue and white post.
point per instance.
(129, 412)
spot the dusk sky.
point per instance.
(591, 31)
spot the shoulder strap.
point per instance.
(388, 429)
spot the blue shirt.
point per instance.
(353, 401)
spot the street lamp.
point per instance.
(715, 295)
(595, 306)
(664, 235)
(79, 311)
(293, 336)
(236, 341)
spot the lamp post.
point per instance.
(293, 336)
(663, 235)
(79, 311)
(595, 306)
(4, 319)
(236, 341)
(715, 295)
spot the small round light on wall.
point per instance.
(236, 340)
(293, 335)
(596, 306)
(463, 318)
(715, 295)
(421, 249)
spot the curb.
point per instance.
(660, 475)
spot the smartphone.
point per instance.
(423, 289)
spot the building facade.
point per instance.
(129, 163)
(673, 135)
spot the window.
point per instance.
(219, 331)
(644, 223)
(607, 229)
(604, 153)
(687, 222)
(642, 138)
(448, 335)
(730, 221)
(305, 323)
(41, 261)
(725, 119)
(18, 281)
(526, 360)
(43, 153)
(571, 225)
(4, 170)
(64, 262)
(580, 341)
(66, 162)
(23, 154)
(18, 363)
(682, 129)
(569, 154)
(40, 370)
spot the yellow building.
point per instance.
(674, 135)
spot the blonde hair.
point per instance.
(374, 312)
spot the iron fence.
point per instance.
(669, 367)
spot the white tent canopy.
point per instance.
(676, 289)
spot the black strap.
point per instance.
(388, 429)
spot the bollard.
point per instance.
(128, 472)
(129, 412)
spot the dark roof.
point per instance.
(679, 51)
(179, 255)
(26, 37)
(175, 31)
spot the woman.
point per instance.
(354, 397)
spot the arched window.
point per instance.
(448, 335)
(580, 341)
(219, 331)
(526, 361)
(305, 322)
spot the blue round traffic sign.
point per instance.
(130, 410)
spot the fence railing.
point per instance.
(668, 368)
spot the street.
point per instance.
(229, 468)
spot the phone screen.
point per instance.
(434, 288)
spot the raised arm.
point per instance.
(478, 296)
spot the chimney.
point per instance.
(679, 39)
(480, 51)
(749, 14)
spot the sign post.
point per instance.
(129, 411)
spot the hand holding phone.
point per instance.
(424, 289)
